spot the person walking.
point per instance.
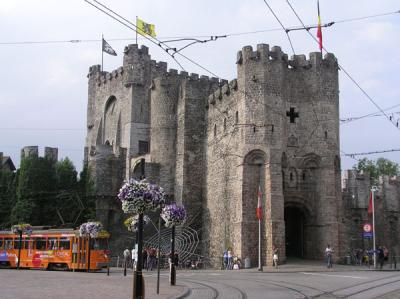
(328, 255)
(126, 255)
(381, 256)
(225, 256)
(275, 257)
(134, 257)
(230, 260)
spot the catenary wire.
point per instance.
(292, 28)
(280, 23)
(344, 70)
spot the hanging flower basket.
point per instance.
(90, 229)
(132, 223)
(25, 228)
(173, 214)
(138, 197)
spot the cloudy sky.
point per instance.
(43, 90)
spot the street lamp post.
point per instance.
(138, 281)
(172, 270)
(19, 248)
(373, 190)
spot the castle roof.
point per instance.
(8, 163)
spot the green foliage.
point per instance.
(36, 191)
(376, 168)
(7, 196)
(86, 192)
(66, 175)
(42, 192)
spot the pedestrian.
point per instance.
(328, 256)
(126, 255)
(151, 257)
(144, 255)
(225, 256)
(176, 259)
(381, 256)
(230, 260)
(275, 257)
(134, 257)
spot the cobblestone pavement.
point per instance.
(295, 280)
(38, 284)
(302, 280)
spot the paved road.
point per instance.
(305, 280)
(252, 284)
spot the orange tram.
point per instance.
(54, 249)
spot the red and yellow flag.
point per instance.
(259, 205)
(319, 31)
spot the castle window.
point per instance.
(215, 130)
(291, 176)
(237, 117)
(143, 147)
(224, 124)
(304, 176)
(326, 134)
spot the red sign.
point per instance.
(367, 228)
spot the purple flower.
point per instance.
(173, 214)
(139, 197)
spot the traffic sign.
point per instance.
(367, 228)
(367, 235)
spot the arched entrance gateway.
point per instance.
(295, 231)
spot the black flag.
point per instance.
(107, 48)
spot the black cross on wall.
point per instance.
(292, 114)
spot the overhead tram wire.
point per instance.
(373, 152)
(344, 70)
(126, 25)
(372, 114)
(283, 27)
(152, 39)
(233, 34)
(318, 123)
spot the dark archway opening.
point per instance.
(294, 232)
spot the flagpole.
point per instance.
(102, 54)
(136, 30)
(373, 224)
(260, 267)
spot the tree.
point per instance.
(66, 175)
(36, 192)
(86, 192)
(377, 168)
(7, 196)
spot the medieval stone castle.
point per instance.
(211, 144)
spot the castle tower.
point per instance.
(51, 154)
(29, 151)
(285, 139)
(164, 99)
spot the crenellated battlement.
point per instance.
(275, 54)
(105, 77)
(225, 90)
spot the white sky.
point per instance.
(44, 86)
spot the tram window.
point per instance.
(64, 243)
(27, 244)
(52, 244)
(99, 244)
(40, 243)
(1, 243)
(16, 244)
(8, 243)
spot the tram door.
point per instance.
(83, 246)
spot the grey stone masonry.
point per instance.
(213, 144)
